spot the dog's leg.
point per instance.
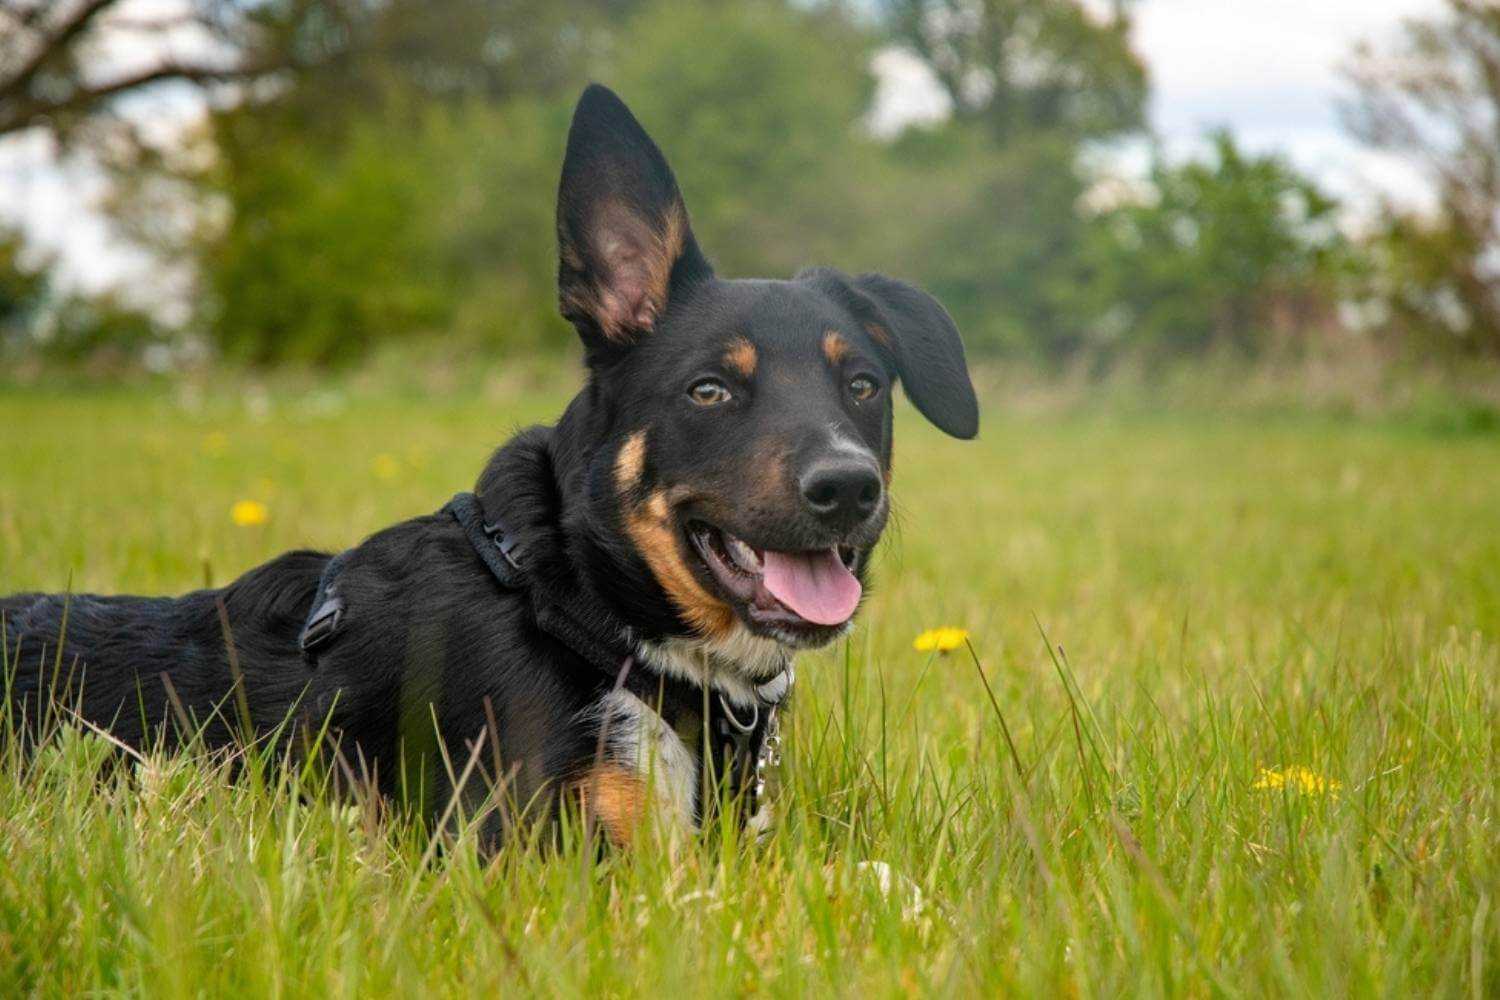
(646, 777)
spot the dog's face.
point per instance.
(742, 474)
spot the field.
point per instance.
(1240, 735)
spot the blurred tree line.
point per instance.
(380, 171)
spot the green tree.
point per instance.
(1220, 254)
(1435, 99)
(993, 231)
(758, 105)
(403, 216)
(987, 211)
(1020, 67)
(395, 191)
(23, 290)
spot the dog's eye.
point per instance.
(863, 388)
(709, 392)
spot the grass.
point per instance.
(1240, 735)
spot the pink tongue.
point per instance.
(816, 585)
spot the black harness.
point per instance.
(748, 738)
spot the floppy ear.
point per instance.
(624, 245)
(922, 340)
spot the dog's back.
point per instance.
(131, 663)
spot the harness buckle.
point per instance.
(509, 547)
(323, 624)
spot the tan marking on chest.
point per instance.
(615, 798)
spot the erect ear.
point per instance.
(921, 339)
(624, 244)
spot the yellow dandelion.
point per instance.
(941, 640)
(385, 466)
(1302, 780)
(249, 513)
(215, 443)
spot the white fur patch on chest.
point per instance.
(636, 737)
(731, 667)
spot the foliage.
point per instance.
(101, 328)
(995, 233)
(431, 218)
(1020, 67)
(988, 215)
(1435, 99)
(1216, 254)
(36, 320)
(761, 126)
(397, 181)
(23, 290)
(60, 68)
(1209, 628)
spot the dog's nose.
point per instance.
(841, 492)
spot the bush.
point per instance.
(1219, 256)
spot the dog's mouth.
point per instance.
(807, 595)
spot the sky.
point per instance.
(1267, 69)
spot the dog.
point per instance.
(610, 617)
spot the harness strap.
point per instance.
(748, 748)
(496, 547)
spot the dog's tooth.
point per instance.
(742, 554)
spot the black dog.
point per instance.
(613, 611)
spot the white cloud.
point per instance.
(1270, 71)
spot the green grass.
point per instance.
(1221, 594)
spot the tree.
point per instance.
(352, 214)
(1026, 66)
(50, 55)
(763, 124)
(23, 289)
(56, 67)
(1221, 254)
(1436, 99)
(988, 215)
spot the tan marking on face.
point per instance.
(835, 347)
(768, 468)
(741, 356)
(630, 462)
(657, 506)
(650, 527)
(881, 334)
(615, 797)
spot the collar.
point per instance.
(748, 737)
(571, 616)
(512, 521)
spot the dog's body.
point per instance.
(617, 603)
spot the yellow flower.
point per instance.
(215, 443)
(385, 466)
(1296, 777)
(941, 640)
(249, 513)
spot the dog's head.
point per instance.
(741, 430)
